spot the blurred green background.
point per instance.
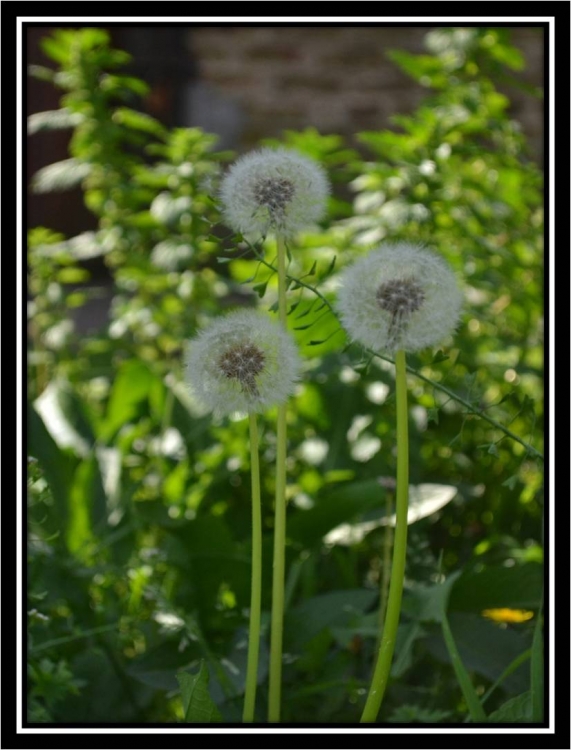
(139, 502)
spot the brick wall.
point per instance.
(261, 80)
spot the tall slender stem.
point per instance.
(386, 572)
(256, 594)
(382, 669)
(274, 698)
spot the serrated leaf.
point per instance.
(198, 706)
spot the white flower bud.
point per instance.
(244, 362)
(273, 190)
(400, 296)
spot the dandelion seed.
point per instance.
(273, 190)
(400, 296)
(242, 362)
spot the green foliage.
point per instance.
(138, 502)
(197, 703)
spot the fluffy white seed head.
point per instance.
(243, 362)
(400, 296)
(275, 190)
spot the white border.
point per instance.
(279, 729)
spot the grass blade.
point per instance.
(474, 706)
(537, 671)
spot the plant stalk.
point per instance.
(256, 593)
(383, 666)
(278, 582)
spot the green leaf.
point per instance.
(58, 465)
(510, 482)
(63, 415)
(334, 508)
(62, 175)
(518, 587)
(335, 609)
(130, 118)
(86, 500)
(432, 601)
(432, 415)
(83, 246)
(510, 669)
(514, 711)
(58, 119)
(424, 500)
(330, 267)
(131, 387)
(260, 289)
(439, 357)
(197, 704)
(536, 691)
(168, 210)
(485, 648)
(41, 73)
(474, 706)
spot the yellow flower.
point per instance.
(505, 614)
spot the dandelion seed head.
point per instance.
(242, 362)
(399, 296)
(275, 190)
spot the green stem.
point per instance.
(274, 697)
(256, 594)
(383, 667)
(386, 572)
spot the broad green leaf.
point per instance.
(332, 610)
(407, 634)
(58, 465)
(131, 386)
(197, 704)
(63, 415)
(432, 601)
(474, 706)
(517, 662)
(485, 648)
(518, 587)
(157, 667)
(347, 502)
(514, 711)
(424, 500)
